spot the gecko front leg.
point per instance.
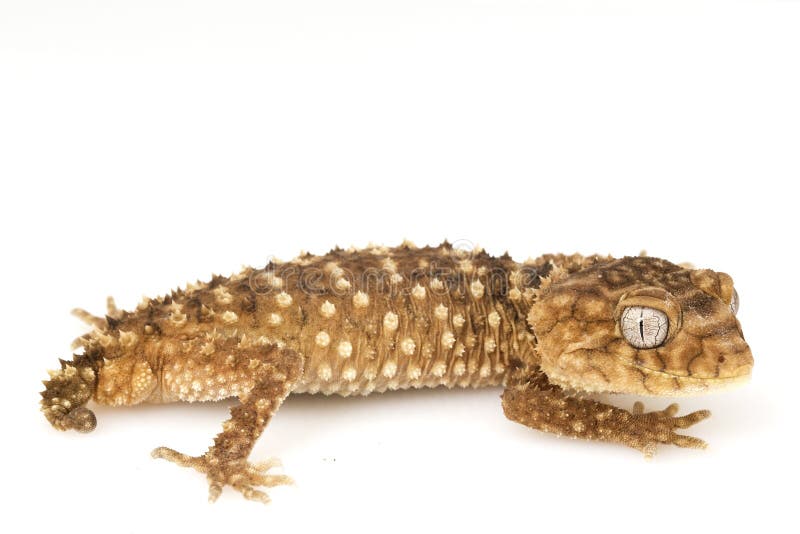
(543, 406)
(273, 373)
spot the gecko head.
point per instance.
(643, 326)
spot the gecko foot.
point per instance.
(650, 429)
(241, 475)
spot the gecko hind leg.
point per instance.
(95, 321)
(225, 463)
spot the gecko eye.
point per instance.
(734, 302)
(643, 327)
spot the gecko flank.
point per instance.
(353, 322)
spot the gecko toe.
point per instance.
(691, 419)
(270, 481)
(174, 456)
(263, 467)
(653, 428)
(688, 442)
(214, 491)
(649, 450)
(671, 410)
(252, 494)
(241, 475)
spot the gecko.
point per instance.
(551, 331)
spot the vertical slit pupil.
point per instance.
(641, 325)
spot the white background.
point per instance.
(145, 144)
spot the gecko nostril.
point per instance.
(721, 359)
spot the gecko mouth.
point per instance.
(740, 373)
(722, 363)
(663, 383)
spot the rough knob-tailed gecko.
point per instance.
(354, 322)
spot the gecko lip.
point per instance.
(738, 374)
(743, 371)
(711, 367)
(693, 384)
(713, 372)
(734, 367)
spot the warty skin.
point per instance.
(354, 322)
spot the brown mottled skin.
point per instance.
(362, 321)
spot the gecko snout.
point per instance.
(725, 358)
(737, 366)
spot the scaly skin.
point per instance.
(363, 321)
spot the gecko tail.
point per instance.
(67, 392)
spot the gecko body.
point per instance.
(354, 322)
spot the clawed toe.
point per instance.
(179, 458)
(263, 467)
(252, 494)
(241, 475)
(688, 420)
(658, 427)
